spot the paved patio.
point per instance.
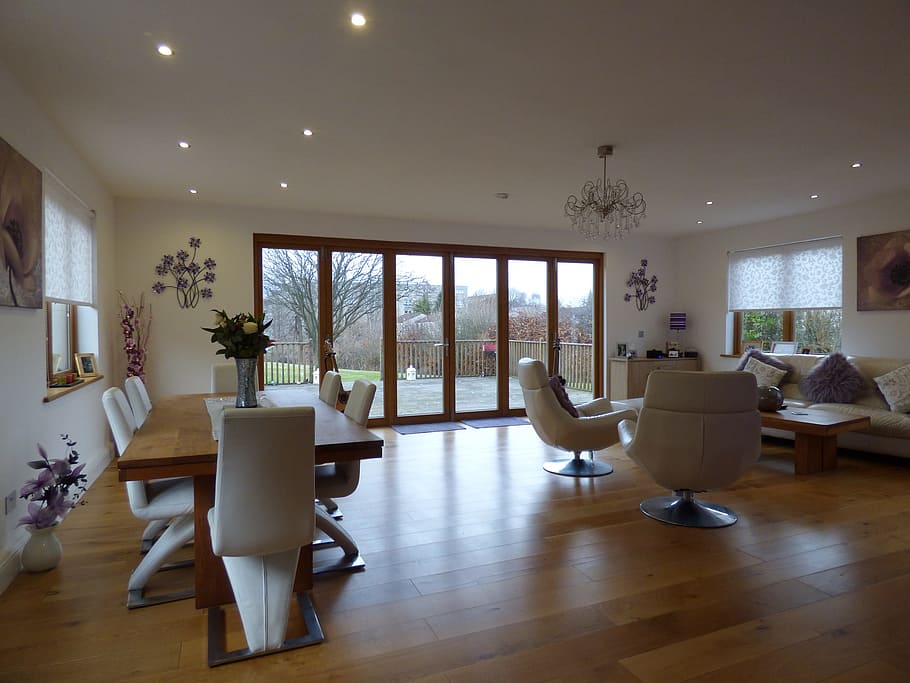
(424, 396)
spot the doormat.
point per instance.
(428, 427)
(482, 422)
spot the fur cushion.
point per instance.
(765, 375)
(764, 358)
(557, 383)
(832, 380)
(895, 387)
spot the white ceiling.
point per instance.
(438, 104)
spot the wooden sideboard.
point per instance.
(628, 376)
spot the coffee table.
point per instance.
(816, 434)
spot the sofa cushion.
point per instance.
(895, 387)
(883, 422)
(832, 380)
(557, 383)
(773, 361)
(765, 375)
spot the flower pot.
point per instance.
(42, 551)
(246, 382)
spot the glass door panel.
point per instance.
(420, 339)
(527, 319)
(475, 334)
(357, 320)
(290, 299)
(575, 291)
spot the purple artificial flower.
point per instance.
(644, 263)
(208, 276)
(167, 260)
(209, 263)
(161, 270)
(628, 297)
(158, 287)
(206, 292)
(182, 255)
(195, 242)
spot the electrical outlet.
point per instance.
(9, 503)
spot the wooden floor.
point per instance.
(483, 567)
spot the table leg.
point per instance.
(815, 453)
(212, 585)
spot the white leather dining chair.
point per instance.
(138, 396)
(260, 521)
(158, 500)
(329, 386)
(224, 378)
(340, 479)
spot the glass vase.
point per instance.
(246, 382)
(42, 550)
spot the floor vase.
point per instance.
(246, 382)
(42, 550)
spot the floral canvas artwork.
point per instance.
(883, 272)
(21, 242)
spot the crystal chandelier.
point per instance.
(605, 210)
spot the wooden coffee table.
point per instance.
(816, 434)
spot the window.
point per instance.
(787, 292)
(69, 274)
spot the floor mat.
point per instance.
(482, 422)
(428, 427)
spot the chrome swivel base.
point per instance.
(683, 509)
(577, 467)
(216, 635)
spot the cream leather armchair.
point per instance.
(696, 431)
(592, 430)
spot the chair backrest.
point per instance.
(139, 399)
(698, 430)
(264, 481)
(119, 417)
(549, 419)
(329, 386)
(224, 378)
(360, 401)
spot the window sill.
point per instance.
(53, 393)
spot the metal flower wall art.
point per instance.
(190, 280)
(644, 286)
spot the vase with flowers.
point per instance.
(243, 338)
(50, 495)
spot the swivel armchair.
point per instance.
(263, 516)
(592, 430)
(696, 431)
(161, 502)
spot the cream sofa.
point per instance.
(890, 431)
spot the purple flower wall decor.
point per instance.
(644, 286)
(191, 281)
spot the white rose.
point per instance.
(250, 327)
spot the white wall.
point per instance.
(703, 275)
(180, 353)
(24, 419)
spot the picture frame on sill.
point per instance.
(86, 365)
(749, 344)
(783, 347)
(621, 350)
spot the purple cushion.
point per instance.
(557, 382)
(766, 359)
(832, 380)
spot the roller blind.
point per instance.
(793, 276)
(69, 248)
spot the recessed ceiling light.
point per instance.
(856, 164)
(501, 195)
(708, 203)
(699, 222)
(813, 196)
(193, 190)
(307, 132)
(165, 50)
(183, 144)
(358, 19)
(283, 185)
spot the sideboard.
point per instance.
(628, 376)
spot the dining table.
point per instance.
(178, 439)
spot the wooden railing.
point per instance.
(291, 362)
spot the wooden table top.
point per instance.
(176, 438)
(813, 421)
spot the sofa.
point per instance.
(889, 432)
